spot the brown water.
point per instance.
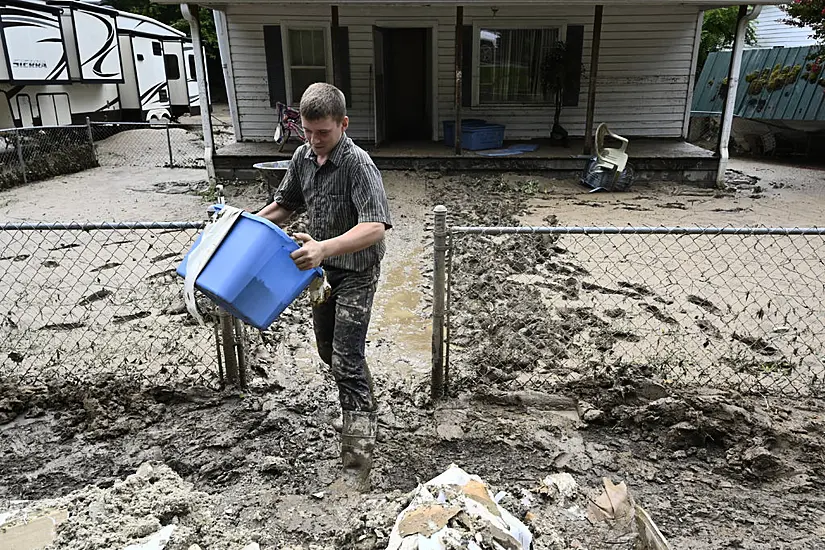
(399, 308)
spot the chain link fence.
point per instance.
(161, 145)
(81, 301)
(537, 307)
(37, 153)
(32, 154)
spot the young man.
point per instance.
(340, 188)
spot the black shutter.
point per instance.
(573, 76)
(340, 61)
(274, 52)
(467, 41)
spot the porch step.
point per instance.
(693, 170)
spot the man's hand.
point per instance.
(311, 253)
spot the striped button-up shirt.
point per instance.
(345, 191)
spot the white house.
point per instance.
(772, 31)
(407, 66)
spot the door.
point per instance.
(54, 109)
(151, 74)
(407, 84)
(6, 119)
(24, 107)
(379, 90)
(176, 76)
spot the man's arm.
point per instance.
(275, 213)
(312, 252)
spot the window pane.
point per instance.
(302, 78)
(193, 75)
(306, 47)
(172, 66)
(510, 64)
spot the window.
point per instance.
(192, 74)
(172, 66)
(307, 59)
(156, 48)
(509, 62)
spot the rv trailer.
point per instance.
(62, 61)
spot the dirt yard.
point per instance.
(714, 468)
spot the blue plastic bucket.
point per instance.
(251, 275)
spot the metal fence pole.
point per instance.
(169, 144)
(240, 347)
(91, 137)
(19, 146)
(230, 359)
(440, 249)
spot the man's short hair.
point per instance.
(323, 100)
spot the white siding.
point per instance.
(771, 31)
(643, 79)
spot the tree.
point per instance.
(171, 15)
(808, 13)
(718, 32)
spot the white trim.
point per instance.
(308, 26)
(225, 49)
(507, 23)
(419, 24)
(693, 66)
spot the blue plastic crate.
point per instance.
(251, 274)
(476, 134)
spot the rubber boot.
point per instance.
(358, 436)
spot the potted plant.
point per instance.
(553, 74)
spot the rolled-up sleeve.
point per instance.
(289, 194)
(368, 195)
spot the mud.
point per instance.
(714, 468)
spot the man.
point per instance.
(340, 188)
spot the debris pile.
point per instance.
(456, 510)
(152, 509)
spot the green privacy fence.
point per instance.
(775, 84)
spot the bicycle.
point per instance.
(289, 122)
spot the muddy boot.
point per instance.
(358, 437)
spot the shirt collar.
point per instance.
(337, 153)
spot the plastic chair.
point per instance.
(609, 158)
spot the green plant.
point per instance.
(718, 30)
(807, 13)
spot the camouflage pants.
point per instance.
(341, 332)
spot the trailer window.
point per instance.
(192, 74)
(156, 48)
(172, 66)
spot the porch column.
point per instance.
(591, 85)
(192, 15)
(222, 32)
(336, 44)
(729, 106)
(459, 61)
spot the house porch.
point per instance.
(654, 160)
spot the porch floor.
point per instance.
(653, 160)
(640, 148)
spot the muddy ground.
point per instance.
(715, 469)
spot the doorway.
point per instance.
(403, 85)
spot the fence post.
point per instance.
(91, 138)
(230, 359)
(19, 146)
(169, 144)
(240, 347)
(439, 271)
